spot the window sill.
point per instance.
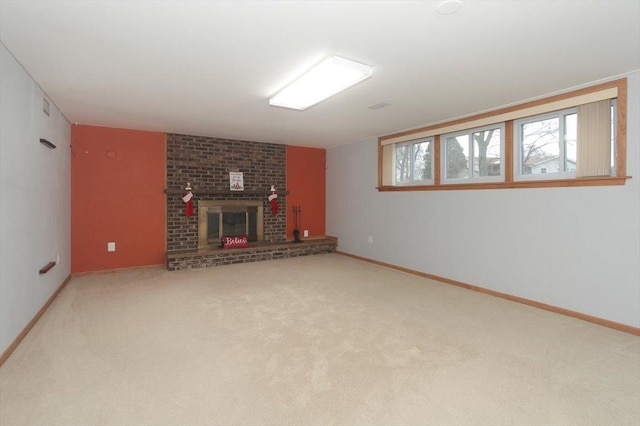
(555, 183)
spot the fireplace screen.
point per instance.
(219, 219)
(222, 223)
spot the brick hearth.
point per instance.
(206, 258)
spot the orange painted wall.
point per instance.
(306, 185)
(117, 194)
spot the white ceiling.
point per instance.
(209, 67)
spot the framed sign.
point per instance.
(236, 181)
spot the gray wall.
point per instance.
(35, 199)
(574, 248)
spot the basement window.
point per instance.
(546, 144)
(573, 139)
(414, 162)
(473, 155)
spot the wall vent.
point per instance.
(380, 105)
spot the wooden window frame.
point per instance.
(509, 182)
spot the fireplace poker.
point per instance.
(296, 221)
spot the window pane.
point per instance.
(403, 170)
(422, 160)
(457, 157)
(570, 137)
(213, 227)
(486, 153)
(614, 118)
(541, 147)
(234, 223)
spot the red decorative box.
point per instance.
(237, 241)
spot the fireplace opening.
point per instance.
(232, 223)
(217, 219)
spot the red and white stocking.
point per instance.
(188, 207)
(273, 199)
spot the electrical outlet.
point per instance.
(111, 246)
(370, 239)
(306, 232)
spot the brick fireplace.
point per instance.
(205, 163)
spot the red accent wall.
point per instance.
(306, 185)
(117, 194)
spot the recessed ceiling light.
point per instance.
(448, 7)
(329, 77)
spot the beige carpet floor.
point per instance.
(318, 340)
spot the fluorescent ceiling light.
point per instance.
(329, 77)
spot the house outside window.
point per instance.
(546, 144)
(473, 155)
(414, 162)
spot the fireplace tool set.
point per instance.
(296, 221)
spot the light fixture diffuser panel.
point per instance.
(329, 77)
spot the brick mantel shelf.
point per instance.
(219, 193)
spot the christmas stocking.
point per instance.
(273, 199)
(188, 202)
